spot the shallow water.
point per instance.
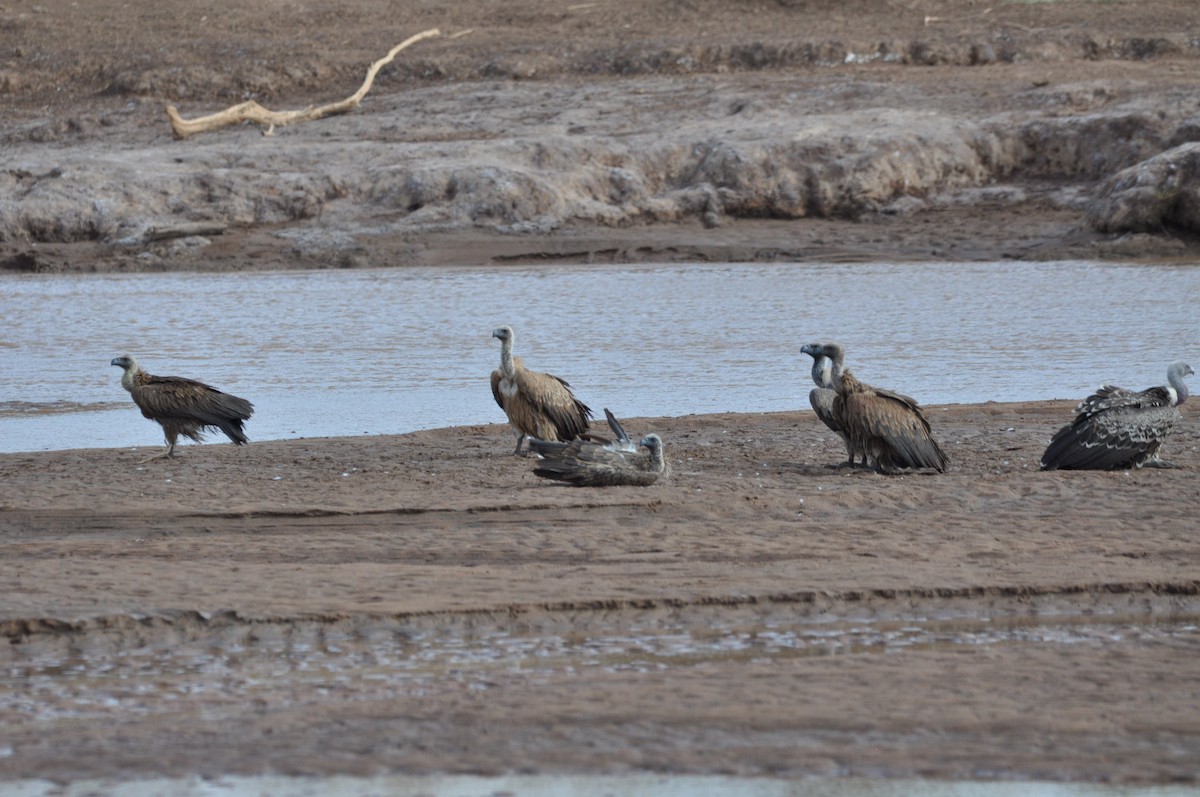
(334, 353)
(383, 658)
(233, 666)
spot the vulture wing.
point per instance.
(176, 400)
(1115, 428)
(586, 464)
(897, 421)
(544, 400)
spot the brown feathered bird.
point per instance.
(821, 397)
(1115, 428)
(886, 428)
(183, 406)
(537, 405)
(595, 462)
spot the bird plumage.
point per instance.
(538, 405)
(888, 429)
(821, 397)
(600, 463)
(184, 407)
(1115, 428)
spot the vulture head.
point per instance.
(833, 351)
(125, 361)
(505, 333)
(657, 457)
(1175, 374)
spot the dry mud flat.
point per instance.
(668, 130)
(423, 603)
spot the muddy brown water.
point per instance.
(389, 351)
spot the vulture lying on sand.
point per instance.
(822, 396)
(183, 406)
(537, 405)
(1115, 428)
(887, 429)
(598, 463)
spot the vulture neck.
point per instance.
(1175, 378)
(823, 372)
(131, 378)
(658, 463)
(506, 360)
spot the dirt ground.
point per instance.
(232, 611)
(423, 603)
(673, 130)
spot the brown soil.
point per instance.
(677, 130)
(308, 560)
(342, 547)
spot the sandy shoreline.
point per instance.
(435, 542)
(421, 603)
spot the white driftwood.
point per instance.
(253, 112)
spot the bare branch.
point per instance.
(253, 112)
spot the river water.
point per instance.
(330, 353)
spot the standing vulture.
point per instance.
(822, 396)
(591, 463)
(183, 406)
(886, 428)
(537, 405)
(1115, 428)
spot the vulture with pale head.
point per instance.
(1115, 428)
(597, 462)
(822, 396)
(886, 428)
(537, 405)
(183, 406)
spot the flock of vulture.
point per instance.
(884, 431)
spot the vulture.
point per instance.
(596, 462)
(886, 428)
(821, 397)
(1115, 428)
(183, 406)
(537, 405)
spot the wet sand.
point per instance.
(285, 588)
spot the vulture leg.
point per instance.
(520, 442)
(168, 454)
(1155, 462)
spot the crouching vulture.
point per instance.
(887, 429)
(537, 405)
(183, 406)
(1115, 428)
(596, 462)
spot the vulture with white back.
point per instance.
(596, 462)
(537, 405)
(183, 406)
(886, 428)
(822, 396)
(1115, 428)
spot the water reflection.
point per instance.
(385, 351)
